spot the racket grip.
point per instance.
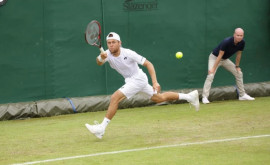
(101, 49)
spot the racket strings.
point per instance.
(93, 33)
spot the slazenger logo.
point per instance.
(140, 5)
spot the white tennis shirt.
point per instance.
(126, 63)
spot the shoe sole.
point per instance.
(246, 100)
(206, 102)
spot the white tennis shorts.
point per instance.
(135, 84)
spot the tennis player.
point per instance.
(220, 57)
(125, 62)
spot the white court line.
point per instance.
(143, 149)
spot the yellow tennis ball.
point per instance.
(179, 55)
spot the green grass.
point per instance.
(64, 136)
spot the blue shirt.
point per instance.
(229, 48)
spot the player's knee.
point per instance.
(115, 98)
(239, 74)
(158, 98)
(210, 77)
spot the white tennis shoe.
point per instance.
(205, 100)
(194, 99)
(98, 130)
(246, 97)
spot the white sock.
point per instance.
(183, 96)
(105, 122)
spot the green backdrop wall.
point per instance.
(43, 54)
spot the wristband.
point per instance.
(237, 66)
(100, 59)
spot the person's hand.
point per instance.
(156, 87)
(103, 55)
(211, 71)
(238, 69)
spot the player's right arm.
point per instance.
(101, 58)
(152, 73)
(220, 55)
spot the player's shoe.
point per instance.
(205, 100)
(98, 130)
(194, 99)
(246, 97)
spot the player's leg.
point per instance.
(128, 90)
(209, 79)
(166, 96)
(115, 99)
(192, 97)
(230, 66)
(99, 129)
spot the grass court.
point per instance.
(169, 134)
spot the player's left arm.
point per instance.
(237, 60)
(152, 72)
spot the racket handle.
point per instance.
(101, 50)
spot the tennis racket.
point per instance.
(93, 33)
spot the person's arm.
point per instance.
(237, 60)
(220, 55)
(152, 72)
(101, 58)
